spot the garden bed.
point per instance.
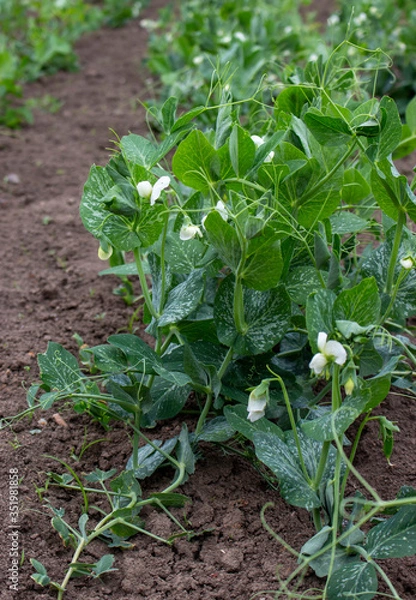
(50, 290)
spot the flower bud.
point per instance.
(144, 189)
(257, 401)
(349, 386)
(407, 263)
(104, 254)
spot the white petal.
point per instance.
(255, 415)
(188, 232)
(257, 404)
(220, 208)
(322, 337)
(269, 157)
(407, 263)
(336, 351)
(160, 185)
(318, 363)
(257, 140)
(145, 189)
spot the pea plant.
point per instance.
(276, 263)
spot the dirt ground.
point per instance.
(50, 290)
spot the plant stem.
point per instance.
(294, 427)
(143, 283)
(336, 403)
(203, 415)
(239, 320)
(228, 358)
(401, 221)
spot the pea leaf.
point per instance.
(267, 315)
(275, 454)
(59, 369)
(183, 299)
(360, 304)
(355, 579)
(394, 538)
(196, 162)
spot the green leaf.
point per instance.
(119, 232)
(60, 526)
(99, 475)
(354, 188)
(264, 263)
(319, 315)
(356, 579)
(104, 565)
(149, 459)
(139, 355)
(150, 224)
(329, 131)
(334, 424)
(187, 117)
(59, 369)
(108, 359)
(347, 222)
(392, 191)
(301, 282)
(237, 418)
(394, 538)
(267, 315)
(216, 430)
(242, 150)
(196, 162)
(360, 304)
(184, 255)
(185, 453)
(275, 454)
(41, 575)
(138, 150)
(391, 131)
(377, 263)
(168, 399)
(170, 499)
(183, 299)
(82, 522)
(92, 211)
(224, 238)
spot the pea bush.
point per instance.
(276, 262)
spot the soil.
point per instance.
(50, 290)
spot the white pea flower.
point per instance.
(239, 35)
(257, 401)
(198, 60)
(331, 351)
(360, 19)
(288, 29)
(332, 20)
(152, 192)
(407, 263)
(189, 231)
(259, 141)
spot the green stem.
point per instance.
(228, 358)
(353, 452)
(401, 221)
(163, 267)
(239, 320)
(336, 403)
(203, 415)
(83, 543)
(293, 426)
(135, 445)
(328, 176)
(143, 283)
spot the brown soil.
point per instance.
(50, 290)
